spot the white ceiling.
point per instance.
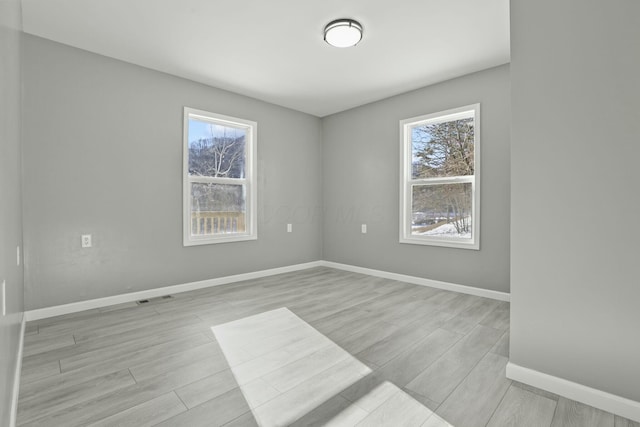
(273, 50)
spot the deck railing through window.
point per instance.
(203, 223)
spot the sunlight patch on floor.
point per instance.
(293, 368)
(388, 405)
(286, 369)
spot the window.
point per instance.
(219, 191)
(440, 190)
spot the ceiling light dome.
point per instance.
(343, 33)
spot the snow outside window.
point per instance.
(440, 188)
(219, 191)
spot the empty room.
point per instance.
(309, 213)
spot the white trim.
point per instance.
(74, 307)
(13, 416)
(486, 293)
(597, 398)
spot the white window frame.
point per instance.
(249, 181)
(407, 182)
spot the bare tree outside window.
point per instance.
(443, 150)
(219, 154)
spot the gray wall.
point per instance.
(575, 202)
(10, 199)
(361, 184)
(103, 155)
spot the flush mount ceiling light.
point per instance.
(343, 33)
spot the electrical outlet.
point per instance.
(289, 228)
(86, 240)
(363, 228)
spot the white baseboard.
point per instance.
(16, 376)
(43, 313)
(597, 398)
(486, 293)
(58, 310)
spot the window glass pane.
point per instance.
(216, 150)
(442, 149)
(217, 209)
(442, 210)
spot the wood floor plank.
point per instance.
(31, 328)
(435, 421)
(443, 376)
(268, 362)
(35, 344)
(464, 322)
(336, 411)
(340, 319)
(207, 388)
(358, 341)
(137, 329)
(258, 392)
(317, 311)
(426, 402)
(570, 413)
(217, 317)
(439, 300)
(359, 325)
(372, 384)
(51, 401)
(94, 409)
(109, 359)
(473, 402)
(100, 407)
(192, 306)
(295, 403)
(459, 304)
(521, 408)
(502, 346)
(37, 372)
(406, 366)
(378, 393)
(389, 347)
(216, 412)
(402, 369)
(170, 362)
(125, 342)
(264, 345)
(93, 319)
(429, 348)
(498, 318)
(66, 318)
(245, 420)
(269, 321)
(536, 390)
(55, 382)
(399, 296)
(145, 414)
(292, 374)
(120, 326)
(399, 410)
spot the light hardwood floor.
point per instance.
(315, 347)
